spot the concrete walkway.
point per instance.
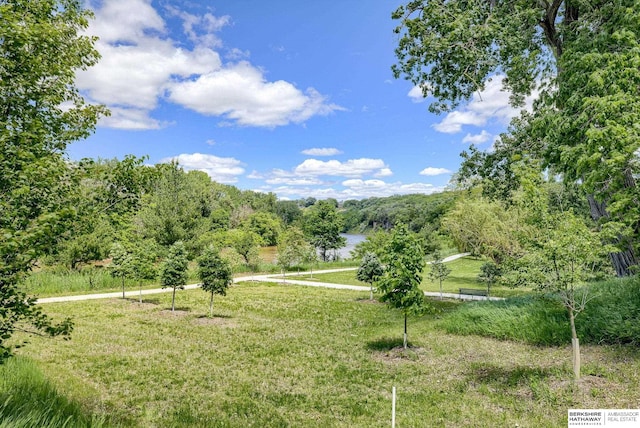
(262, 278)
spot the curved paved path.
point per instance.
(261, 278)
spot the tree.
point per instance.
(490, 273)
(143, 259)
(323, 225)
(215, 273)
(246, 243)
(266, 225)
(439, 271)
(369, 271)
(41, 112)
(310, 256)
(121, 263)
(288, 211)
(292, 248)
(482, 227)
(374, 243)
(583, 57)
(173, 272)
(178, 207)
(560, 260)
(399, 285)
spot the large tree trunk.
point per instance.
(624, 260)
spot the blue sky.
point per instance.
(285, 96)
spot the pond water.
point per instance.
(352, 241)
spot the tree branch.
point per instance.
(548, 24)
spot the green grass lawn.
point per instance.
(464, 274)
(291, 356)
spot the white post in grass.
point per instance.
(393, 408)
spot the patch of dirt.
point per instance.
(144, 305)
(177, 313)
(590, 390)
(399, 354)
(369, 301)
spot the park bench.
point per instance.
(474, 292)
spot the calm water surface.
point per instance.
(352, 240)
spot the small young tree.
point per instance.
(143, 264)
(292, 249)
(310, 256)
(399, 285)
(215, 273)
(560, 262)
(490, 273)
(369, 271)
(174, 270)
(121, 263)
(439, 271)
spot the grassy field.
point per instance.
(464, 273)
(280, 356)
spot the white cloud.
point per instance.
(255, 175)
(236, 54)
(431, 171)
(222, 170)
(201, 29)
(240, 92)
(142, 65)
(307, 179)
(480, 138)
(416, 94)
(322, 152)
(294, 181)
(350, 168)
(355, 189)
(490, 105)
(131, 119)
(364, 184)
(384, 172)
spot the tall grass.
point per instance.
(530, 319)
(67, 281)
(611, 317)
(28, 400)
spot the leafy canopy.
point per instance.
(399, 285)
(41, 112)
(214, 272)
